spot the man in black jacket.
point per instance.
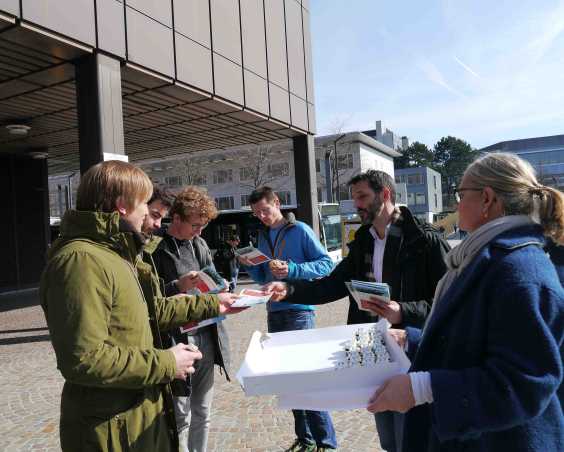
(393, 247)
(179, 256)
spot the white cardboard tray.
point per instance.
(299, 367)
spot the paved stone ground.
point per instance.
(30, 387)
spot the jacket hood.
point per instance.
(106, 229)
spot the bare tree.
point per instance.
(191, 172)
(256, 172)
(336, 153)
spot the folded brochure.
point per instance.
(210, 282)
(253, 254)
(195, 325)
(251, 297)
(363, 290)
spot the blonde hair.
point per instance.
(515, 183)
(193, 201)
(106, 182)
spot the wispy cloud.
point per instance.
(467, 68)
(434, 75)
(552, 25)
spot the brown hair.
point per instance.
(163, 195)
(262, 193)
(193, 201)
(378, 180)
(106, 182)
(515, 183)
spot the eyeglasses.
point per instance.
(198, 225)
(261, 212)
(459, 192)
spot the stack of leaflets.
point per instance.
(251, 297)
(253, 254)
(210, 282)
(363, 290)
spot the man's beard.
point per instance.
(370, 212)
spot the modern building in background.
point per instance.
(388, 137)
(82, 81)
(424, 193)
(231, 174)
(546, 154)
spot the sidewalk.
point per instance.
(31, 387)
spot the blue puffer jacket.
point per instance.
(493, 348)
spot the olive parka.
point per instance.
(98, 319)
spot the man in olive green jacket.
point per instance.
(98, 319)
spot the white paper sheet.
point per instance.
(251, 297)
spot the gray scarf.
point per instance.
(458, 258)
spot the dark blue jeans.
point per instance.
(310, 426)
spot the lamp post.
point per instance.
(336, 169)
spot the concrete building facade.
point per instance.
(231, 174)
(86, 80)
(424, 192)
(387, 137)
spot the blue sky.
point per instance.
(483, 71)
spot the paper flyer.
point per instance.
(210, 282)
(363, 290)
(195, 325)
(253, 254)
(251, 297)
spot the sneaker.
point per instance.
(298, 446)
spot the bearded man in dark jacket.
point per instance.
(394, 247)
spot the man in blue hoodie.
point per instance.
(296, 254)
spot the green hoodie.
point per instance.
(91, 293)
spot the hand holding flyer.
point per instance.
(251, 297)
(252, 254)
(363, 290)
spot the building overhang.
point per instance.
(162, 116)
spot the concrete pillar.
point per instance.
(99, 105)
(306, 183)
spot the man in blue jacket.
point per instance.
(296, 254)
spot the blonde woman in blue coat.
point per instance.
(487, 366)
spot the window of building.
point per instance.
(345, 161)
(245, 201)
(420, 199)
(436, 201)
(399, 199)
(173, 181)
(246, 173)
(435, 183)
(317, 165)
(398, 179)
(344, 192)
(414, 179)
(224, 203)
(285, 197)
(200, 179)
(319, 194)
(281, 169)
(222, 176)
(410, 199)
